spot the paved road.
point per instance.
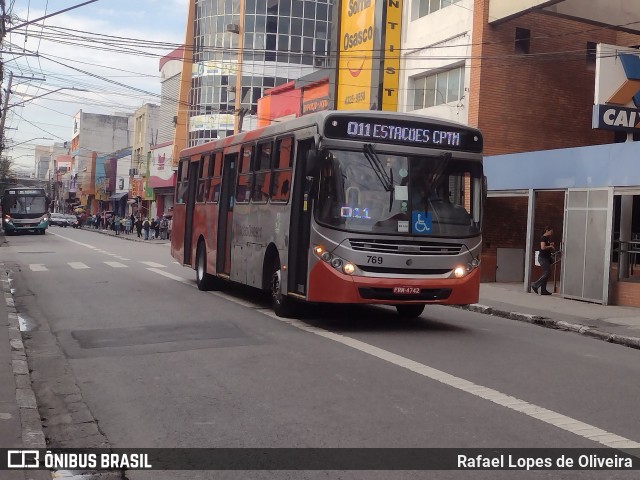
(126, 352)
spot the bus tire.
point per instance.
(410, 311)
(282, 305)
(204, 280)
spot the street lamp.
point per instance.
(47, 93)
(27, 141)
(6, 105)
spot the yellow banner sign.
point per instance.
(356, 52)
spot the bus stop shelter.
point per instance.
(596, 225)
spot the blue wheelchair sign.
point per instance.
(421, 222)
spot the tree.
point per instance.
(6, 173)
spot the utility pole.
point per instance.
(5, 106)
(3, 32)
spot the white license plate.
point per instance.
(406, 290)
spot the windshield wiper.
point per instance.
(376, 164)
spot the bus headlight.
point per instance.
(459, 272)
(335, 261)
(349, 268)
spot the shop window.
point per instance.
(523, 41)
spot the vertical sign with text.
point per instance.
(392, 37)
(357, 21)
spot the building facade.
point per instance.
(94, 135)
(241, 48)
(44, 159)
(524, 73)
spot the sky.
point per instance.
(73, 51)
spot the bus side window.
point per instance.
(202, 180)
(245, 177)
(282, 170)
(216, 180)
(182, 182)
(262, 175)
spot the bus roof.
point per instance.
(319, 119)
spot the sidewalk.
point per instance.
(20, 424)
(613, 324)
(132, 237)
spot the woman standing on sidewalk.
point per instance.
(547, 246)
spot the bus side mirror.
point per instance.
(312, 163)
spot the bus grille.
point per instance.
(405, 247)
(427, 294)
(405, 271)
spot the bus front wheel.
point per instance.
(204, 280)
(282, 305)
(410, 311)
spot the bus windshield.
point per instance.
(25, 204)
(417, 195)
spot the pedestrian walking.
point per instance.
(153, 225)
(139, 227)
(169, 228)
(146, 225)
(116, 225)
(164, 226)
(547, 247)
(127, 225)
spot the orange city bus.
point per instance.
(336, 207)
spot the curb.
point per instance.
(625, 340)
(32, 433)
(123, 236)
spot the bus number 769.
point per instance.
(372, 259)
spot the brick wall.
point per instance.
(539, 101)
(625, 293)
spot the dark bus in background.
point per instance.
(25, 209)
(337, 207)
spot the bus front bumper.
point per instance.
(14, 225)
(328, 285)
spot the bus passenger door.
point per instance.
(190, 201)
(225, 214)
(300, 222)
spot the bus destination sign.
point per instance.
(26, 192)
(403, 132)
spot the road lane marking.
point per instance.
(117, 265)
(550, 417)
(77, 265)
(542, 414)
(123, 259)
(38, 267)
(171, 276)
(153, 264)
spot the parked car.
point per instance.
(58, 219)
(73, 221)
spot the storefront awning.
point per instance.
(118, 196)
(157, 182)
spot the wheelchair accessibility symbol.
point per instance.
(421, 222)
